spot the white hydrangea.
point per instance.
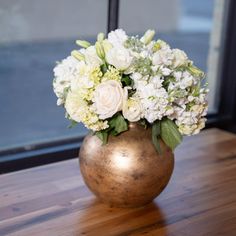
(79, 111)
(64, 73)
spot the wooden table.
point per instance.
(199, 200)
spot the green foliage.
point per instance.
(104, 68)
(195, 71)
(156, 135)
(144, 123)
(127, 81)
(134, 43)
(143, 66)
(167, 81)
(170, 133)
(72, 124)
(117, 125)
(102, 135)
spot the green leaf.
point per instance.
(113, 132)
(103, 68)
(72, 124)
(126, 81)
(102, 135)
(156, 132)
(118, 123)
(170, 133)
(144, 123)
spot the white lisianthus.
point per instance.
(119, 57)
(91, 56)
(117, 37)
(180, 58)
(163, 57)
(108, 98)
(132, 110)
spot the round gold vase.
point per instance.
(127, 171)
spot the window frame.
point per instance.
(40, 154)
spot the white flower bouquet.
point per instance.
(124, 79)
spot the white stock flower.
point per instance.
(132, 110)
(117, 37)
(186, 81)
(180, 58)
(108, 98)
(119, 57)
(154, 101)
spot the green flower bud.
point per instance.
(195, 71)
(100, 37)
(76, 54)
(106, 45)
(82, 43)
(148, 36)
(100, 50)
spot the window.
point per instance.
(193, 26)
(34, 34)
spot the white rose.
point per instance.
(132, 110)
(117, 37)
(119, 57)
(108, 98)
(180, 58)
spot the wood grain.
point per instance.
(199, 200)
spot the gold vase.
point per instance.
(127, 171)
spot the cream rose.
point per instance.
(132, 110)
(108, 98)
(119, 57)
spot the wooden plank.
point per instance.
(199, 200)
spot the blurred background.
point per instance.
(35, 34)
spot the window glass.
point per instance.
(193, 26)
(34, 35)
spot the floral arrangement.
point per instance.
(124, 79)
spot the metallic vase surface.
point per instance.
(127, 171)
